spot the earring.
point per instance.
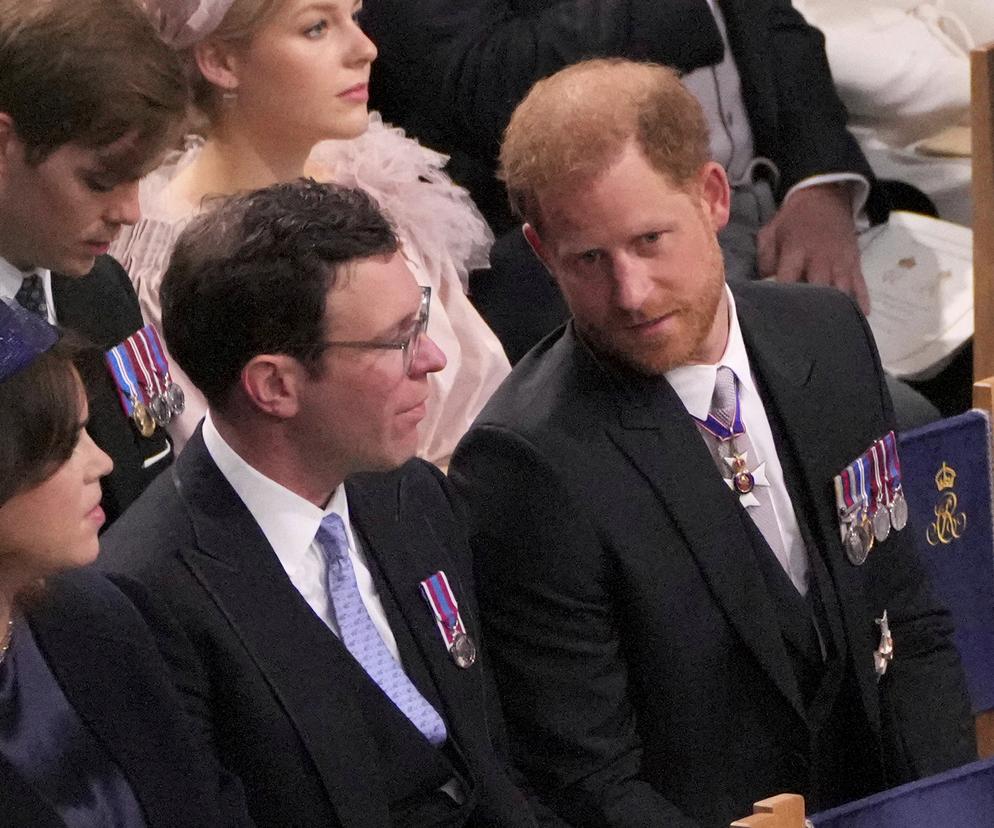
(229, 96)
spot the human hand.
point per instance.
(812, 238)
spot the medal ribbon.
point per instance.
(880, 477)
(443, 605)
(861, 475)
(719, 430)
(142, 357)
(158, 355)
(123, 371)
(893, 462)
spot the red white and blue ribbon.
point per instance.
(122, 369)
(444, 607)
(893, 462)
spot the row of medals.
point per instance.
(865, 529)
(160, 410)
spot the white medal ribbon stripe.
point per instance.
(132, 391)
(144, 369)
(840, 502)
(864, 495)
(155, 384)
(448, 633)
(877, 455)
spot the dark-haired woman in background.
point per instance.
(91, 733)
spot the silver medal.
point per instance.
(176, 398)
(856, 550)
(899, 511)
(160, 409)
(463, 650)
(881, 523)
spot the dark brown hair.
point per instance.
(87, 72)
(40, 410)
(251, 276)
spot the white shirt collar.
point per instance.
(11, 278)
(288, 520)
(694, 384)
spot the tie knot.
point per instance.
(724, 401)
(331, 536)
(31, 295)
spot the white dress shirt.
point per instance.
(694, 385)
(290, 524)
(11, 279)
(719, 90)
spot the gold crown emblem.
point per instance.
(945, 477)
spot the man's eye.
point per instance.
(99, 185)
(590, 257)
(652, 238)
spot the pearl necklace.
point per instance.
(6, 640)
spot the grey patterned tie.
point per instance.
(732, 452)
(362, 639)
(31, 295)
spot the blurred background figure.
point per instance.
(91, 731)
(282, 88)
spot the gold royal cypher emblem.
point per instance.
(948, 525)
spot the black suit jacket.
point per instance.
(453, 72)
(106, 663)
(102, 308)
(313, 739)
(644, 675)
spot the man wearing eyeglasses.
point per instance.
(321, 575)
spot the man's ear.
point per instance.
(272, 383)
(9, 142)
(715, 193)
(218, 62)
(535, 243)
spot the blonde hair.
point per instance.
(238, 26)
(575, 123)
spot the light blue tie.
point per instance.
(362, 639)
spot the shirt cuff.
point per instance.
(859, 192)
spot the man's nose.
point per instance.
(633, 282)
(123, 207)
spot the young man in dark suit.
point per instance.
(678, 627)
(89, 99)
(322, 575)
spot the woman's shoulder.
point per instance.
(86, 597)
(410, 184)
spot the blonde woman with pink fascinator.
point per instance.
(282, 88)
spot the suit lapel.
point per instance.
(407, 551)
(655, 433)
(313, 680)
(81, 656)
(784, 373)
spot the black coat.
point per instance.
(640, 658)
(314, 741)
(106, 663)
(102, 308)
(453, 72)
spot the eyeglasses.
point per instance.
(408, 345)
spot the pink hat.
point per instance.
(182, 23)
